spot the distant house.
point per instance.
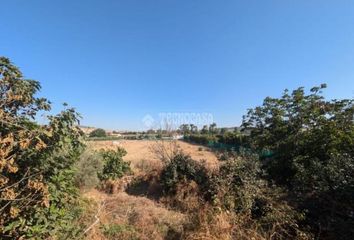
(177, 137)
(114, 134)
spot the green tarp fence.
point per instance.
(237, 148)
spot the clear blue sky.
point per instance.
(116, 61)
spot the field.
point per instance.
(141, 151)
(126, 216)
(287, 174)
(136, 216)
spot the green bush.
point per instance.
(202, 139)
(332, 193)
(183, 168)
(88, 168)
(240, 182)
(114, 166)
(243, 189)
(99, 132)
(238, 189)
(312, 145)
(38, 198)
(233, 138)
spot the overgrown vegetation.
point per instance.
(218, 139)
(99, 132)
(237, 193)
(203, 139)
(182, 168)
(304, 177)
(113, 165)
(312, 141)
(88, 169)
(38, 197)
(303, 188)
(42, 167)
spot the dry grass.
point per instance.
(140, 153)
(148, 219)
(209, 226)
(141, 217)
(146, 214)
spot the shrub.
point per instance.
(224, 155)
(183, 168)
(88, 168)
(233, 139)
(203, 139)
(312, 141)
(114, 166)
(99, 132)
(38, 197)
(147, 166)
(235, 202)
(332, 194)
(239, 181)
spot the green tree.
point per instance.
(212, 128)
(223, 131)
(99, 132)
(38, 198)
(193, 128)
(88, 168)
(204, 130)
(311, 141)
(185, 129)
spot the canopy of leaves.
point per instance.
(182, 167)
(312, 145)
(114, 166)
(36, 161)
(236, 188)
(88, 168)
(99, 132)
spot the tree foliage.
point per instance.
(203, 139)
(88, 168)
(236, 189)
(182, 167)
(99, 132)
(36, 161)
(114, 166)
(312, 145)
(233, 138)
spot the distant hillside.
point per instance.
(87, 130)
